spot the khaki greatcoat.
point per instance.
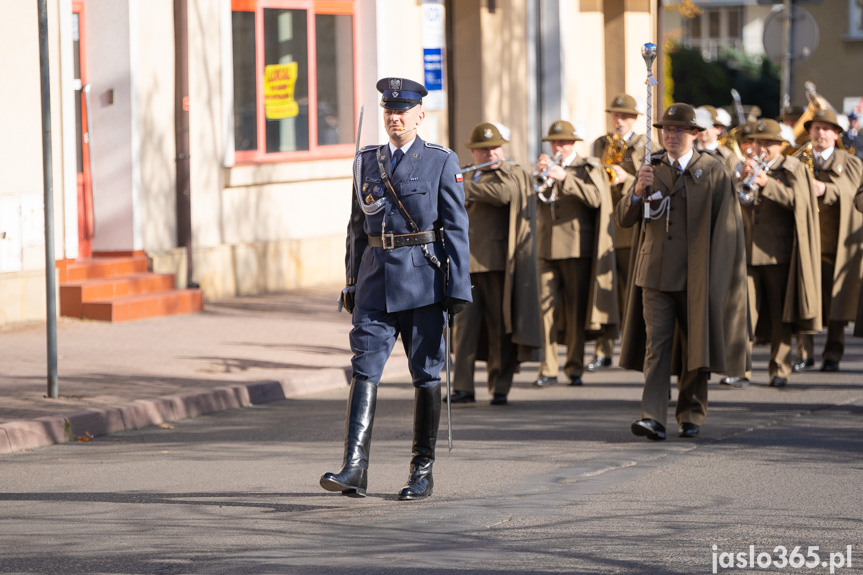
(715, 271)
(790, 184)
(843, 174)
(509, 240)
(560, 237)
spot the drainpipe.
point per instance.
(181, 123)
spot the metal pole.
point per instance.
(48, 185)
(787, 31)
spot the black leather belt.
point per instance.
(392, 241)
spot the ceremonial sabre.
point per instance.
(648, 52)
(448, 327)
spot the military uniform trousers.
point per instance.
(605, 342)
(501, 357)
(662, 311)
(374, 336)
(767, 288)
(834, 346)
(564, 288)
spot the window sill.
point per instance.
(244, 175)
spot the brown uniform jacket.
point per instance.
(633, 158)
(725, 155)
(582, 227)
(842, 173)
(501, 208)
(714, 252)
(780, 227)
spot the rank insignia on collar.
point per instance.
(697, 174)
(839, 169)
(369, 200)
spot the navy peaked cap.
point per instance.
(400, 93)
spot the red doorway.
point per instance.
(86, 218)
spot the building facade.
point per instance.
(275, 91)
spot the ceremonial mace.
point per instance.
(648, 52)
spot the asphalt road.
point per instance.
(554, 482)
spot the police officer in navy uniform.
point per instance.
(407, 264)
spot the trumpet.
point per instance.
(541, 181)
(747, 190)
(485, 165)
(612, 153)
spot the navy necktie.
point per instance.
(397, 156)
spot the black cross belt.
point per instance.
(392, 241)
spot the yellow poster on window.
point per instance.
(279, 82)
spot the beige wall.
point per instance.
(22, 230)
(835, 65)
(154, 68)
(490, 72)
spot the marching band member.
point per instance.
(578, 288)
(690, 262)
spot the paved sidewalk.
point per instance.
(237, 352)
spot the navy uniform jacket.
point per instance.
(429, 185)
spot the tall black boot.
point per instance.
(353, 477)
(426, 421)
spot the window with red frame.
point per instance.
(293, 78)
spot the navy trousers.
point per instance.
(374, 336)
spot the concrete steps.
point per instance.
(118, 287)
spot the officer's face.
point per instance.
(401, 125)
(562, 147)
(483, 155)
(823, 135)
(623, 122)
(678, 141)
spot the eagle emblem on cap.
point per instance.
(618, 102)
(672, 111)
(761, 126)
(557, 127)
(487, 133)
(395, 84)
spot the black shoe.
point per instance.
(498, 399)
(803, 365)
(575, 380)
(649, 428)
(462, 397)
(736, 382)
(830, 365)
(777, 381)
(545, 381)
(688, 430)
(598, 363)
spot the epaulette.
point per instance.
(593, 161)
(368, 148)
(438, 147)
